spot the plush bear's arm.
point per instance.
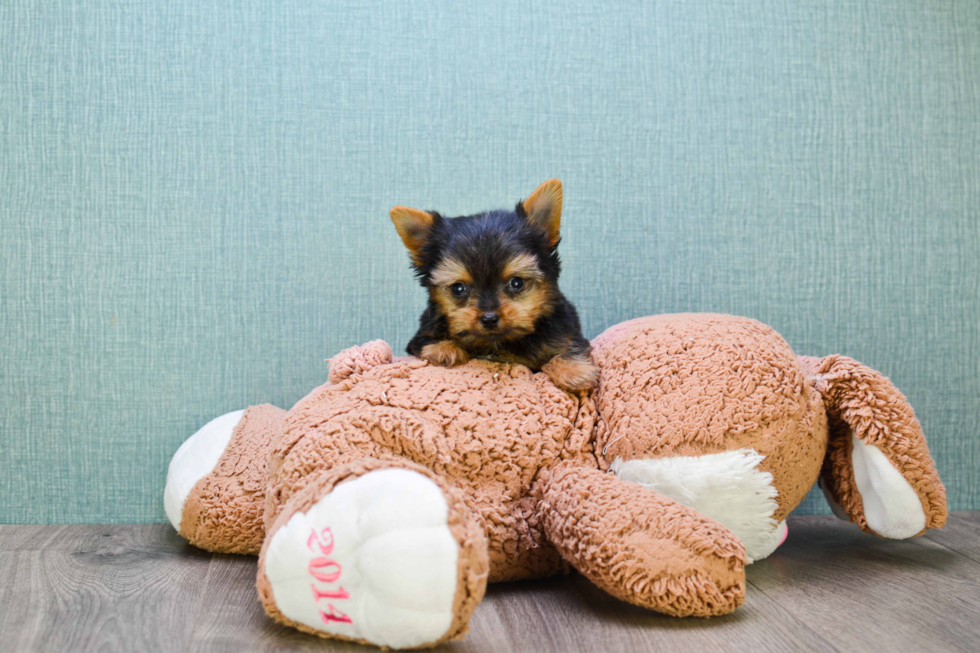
(878, 471)
(640, 546)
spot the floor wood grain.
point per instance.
(829, 588)
(96, 588)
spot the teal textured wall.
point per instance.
(194, 199)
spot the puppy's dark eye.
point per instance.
(458, 289)
(516, 284)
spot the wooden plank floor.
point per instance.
(830, 587)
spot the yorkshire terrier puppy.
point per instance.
(492, 280)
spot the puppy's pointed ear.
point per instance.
(543, 209)
(414, 227)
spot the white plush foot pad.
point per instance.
(194, 460)
(372, 560)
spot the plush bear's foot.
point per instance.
(389, 557)
(194, 460)
(215, 492)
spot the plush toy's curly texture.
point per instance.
(485, 428)
(224, 510)
(357, 360)
(525, 467)
(862, 402)
(695, 384)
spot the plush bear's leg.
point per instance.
(878, 471)
(641, 546)
(377, 551)
(215, 493)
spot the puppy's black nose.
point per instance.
(489, 320)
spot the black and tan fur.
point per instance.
(492, 280)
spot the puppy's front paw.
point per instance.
(445, 353)
(572, 373)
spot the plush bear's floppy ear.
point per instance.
(414, 227)
(878, 471)
(543, 209)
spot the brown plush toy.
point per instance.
(383, 503)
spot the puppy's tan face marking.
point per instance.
(518, 293)
(520, 312)
(462, 314)
(448, 272)
(524, 266)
